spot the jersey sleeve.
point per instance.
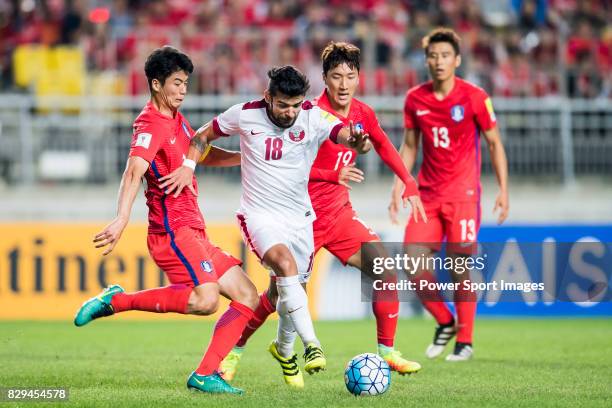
(146, 141)
(228, 122)
(409, 120)
(328, 126)
(318, 174)
(483, 111)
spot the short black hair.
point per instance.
(442, 34)
(288, 81)
(165, 61)
(338, 53)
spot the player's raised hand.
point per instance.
(177, 181)
(349, 173)
(503, 204)
(110, 235)
(358, 140)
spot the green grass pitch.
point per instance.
(564, 362)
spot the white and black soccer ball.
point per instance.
(367, 374)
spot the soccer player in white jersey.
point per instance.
(280, 136)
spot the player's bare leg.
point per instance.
(385, 306)
(236, 285)
(293, 302)
(204, 299)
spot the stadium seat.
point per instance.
(28, 61)
(62, 73)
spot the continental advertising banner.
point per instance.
(47, 270)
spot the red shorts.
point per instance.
(188, 257)
(458, 222)
(343, 235)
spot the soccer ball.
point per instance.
(367, 374)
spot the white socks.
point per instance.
(286, 335)
(293, 303)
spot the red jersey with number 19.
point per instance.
(328, 198)
(163, 142)
(450, 130)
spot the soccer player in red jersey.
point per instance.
(337, 227)
(198, 270)
(449, 114)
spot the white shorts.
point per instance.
(260, 233)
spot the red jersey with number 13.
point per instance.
(450, 130)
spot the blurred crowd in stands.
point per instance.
(512, 48)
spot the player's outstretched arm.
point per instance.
(408, 155)
(500, 166)
(182, 176)
(130, 184)
(343, 176)
(217, 157)
(355, 138)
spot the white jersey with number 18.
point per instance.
(276, 161)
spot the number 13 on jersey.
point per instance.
(440, 136)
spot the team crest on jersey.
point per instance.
(206, 266)
(359, 127)
(297, 134)
(457, 113)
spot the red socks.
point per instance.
(386, 321)
(386, 310)
(173, 298)
(260, 315)
(465, 303)
(432, 301)
(227, 332)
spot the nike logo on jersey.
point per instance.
(255, 134)
(173, 140)
(422, 112)
(393, 316)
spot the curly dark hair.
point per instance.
(288, 81)
(338, 53)
(165, 61)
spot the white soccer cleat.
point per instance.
(463, 352)
(443, 334)
(434, 351)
